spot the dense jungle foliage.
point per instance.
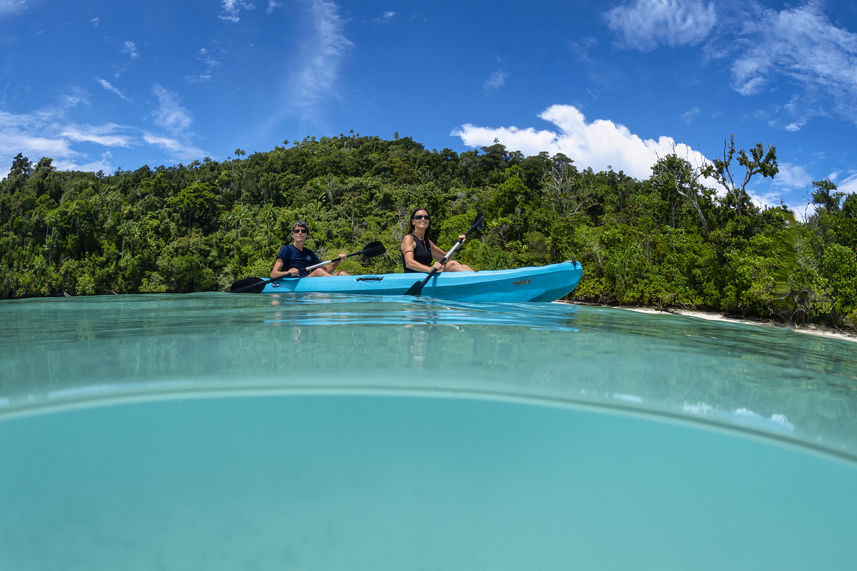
(667, 241)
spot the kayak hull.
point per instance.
(543, 283)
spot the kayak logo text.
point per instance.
(521, 282)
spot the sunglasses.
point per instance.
(422, 217)
(300, 231)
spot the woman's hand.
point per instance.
(437, 266)
(462, 238)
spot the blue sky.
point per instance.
(102, 85)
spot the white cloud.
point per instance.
(170, 115)
(30, 135)
(32, 145)
(792, 176)
(40, 134)
(182, 151)
(385, 18)
(231, 9)
(10, 120)
(48, 133)
(105, 135)
(800, 44)
(688, 116)
(601, 144)
(12, 7)
(321, 58)
(130, 48)
(103, 164)
(495, 81)
(109, 87)
(272, 5)
(848, 184)
(209, 63)
(95, 21)
(646, 24)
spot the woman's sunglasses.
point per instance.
(422, 217)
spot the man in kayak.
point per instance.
(294, 259)
(418, 250)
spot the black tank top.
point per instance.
(422, 254)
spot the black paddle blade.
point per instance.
(478, 223)
(373, 249)
(249, 285)
(417, 288)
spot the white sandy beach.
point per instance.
(808, 329)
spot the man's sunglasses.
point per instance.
(300, 231)
(422, 217)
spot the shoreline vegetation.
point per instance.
(670, 242)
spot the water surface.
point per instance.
(227, 431)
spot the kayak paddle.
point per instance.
(256, 285)
(417, 288)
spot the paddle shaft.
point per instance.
(372, 249)
(443, 260)
(368, 250)
(311, 268)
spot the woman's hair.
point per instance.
(411, 222)
(300, 224)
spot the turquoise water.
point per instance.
(224, 431)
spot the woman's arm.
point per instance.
(408, 246)
(436, 252)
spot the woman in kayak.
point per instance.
(418, 250)
(294, 259)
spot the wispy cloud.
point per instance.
(130, 49)
(600, 144)
(12, 7)
(800, 44)
(230, 10)
(647, 24)
(48, 132)
(494, 82)
(272, 5)
(385, 18)
(107, 135)
(13, 142)
(797, 51)
(110, 87)
(688, 116)
(41, 134)
(847, 184)
(209, 64)
(13, 120)
(96, 21)
(174, 146)
(322, 54)
(170, 115)
(792, 176)
(104, 164)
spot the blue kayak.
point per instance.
(543, 283)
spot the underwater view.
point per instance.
(227, 431)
